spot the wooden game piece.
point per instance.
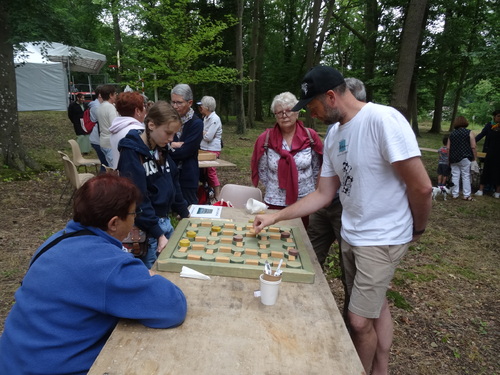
(198, 246)
(294, 252)
(277, 254)
(252, 262)
(264, 244)
(193, 257)
(190, 234)
(216, 228)
(184, 242)
(273, 229)
(222, 259)
(225, 249)
(209, 258)
(237, 260)
(285, 235)
(251, 252)
(293, 264)
(238, 238)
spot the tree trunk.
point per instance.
(12, 152)
(252, 66)
(259, 113)
(240, 105)
(370, 42)
(407, 55)
(117, 36)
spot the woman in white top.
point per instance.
(212, 138)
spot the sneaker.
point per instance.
(496, 195)
(479, 193)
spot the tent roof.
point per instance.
(80, 59)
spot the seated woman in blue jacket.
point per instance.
(145, 160)
(80, 283)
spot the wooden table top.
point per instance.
(217, 163)
(228, 331)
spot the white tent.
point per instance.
(42, 79)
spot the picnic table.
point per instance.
(229, 331)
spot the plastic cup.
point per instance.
(254, 206)
(269, 289)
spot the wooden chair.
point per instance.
(79, 160)
(238, 195)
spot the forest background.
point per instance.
(428, 59)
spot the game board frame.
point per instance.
(166, 261)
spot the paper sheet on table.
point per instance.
(189, 272)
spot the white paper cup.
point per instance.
(269, 290)
(253, 206)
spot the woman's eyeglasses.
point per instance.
(286, 113)
(137, 212)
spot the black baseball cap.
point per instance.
(317, 81)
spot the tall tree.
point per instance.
(253, 64)
(240, 104)
(407, 55)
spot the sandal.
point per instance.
(469, 198)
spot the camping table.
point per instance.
(228, 331)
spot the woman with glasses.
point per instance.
(79, 284)
(286, 158)
(186, 143)
(145, 160)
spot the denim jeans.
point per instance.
(168, 229)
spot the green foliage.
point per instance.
(398, 300)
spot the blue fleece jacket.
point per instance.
(71, 299)
(159, 186)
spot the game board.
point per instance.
(228, 248)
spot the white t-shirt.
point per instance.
(106, 113)
(376, 210)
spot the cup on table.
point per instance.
(269, 289)
(254, 206)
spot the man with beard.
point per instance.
(372, 156)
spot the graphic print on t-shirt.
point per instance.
(347, 178)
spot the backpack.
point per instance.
(87, 123)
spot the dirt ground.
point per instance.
(445, 296)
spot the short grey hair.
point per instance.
(285, 99)
(357, 88)
(209, 103)
(183, 90)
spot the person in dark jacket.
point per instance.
(75, 114)
(74, 292)
(145, 160)
(184, 148)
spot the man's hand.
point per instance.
(262, 221)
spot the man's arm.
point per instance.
(418, 189)
(322, 196)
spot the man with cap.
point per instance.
(372, 156)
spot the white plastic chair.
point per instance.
(79, 160)
(238, 195)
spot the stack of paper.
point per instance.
(189, 272)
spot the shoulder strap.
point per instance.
(311, 140)
(83, 232)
